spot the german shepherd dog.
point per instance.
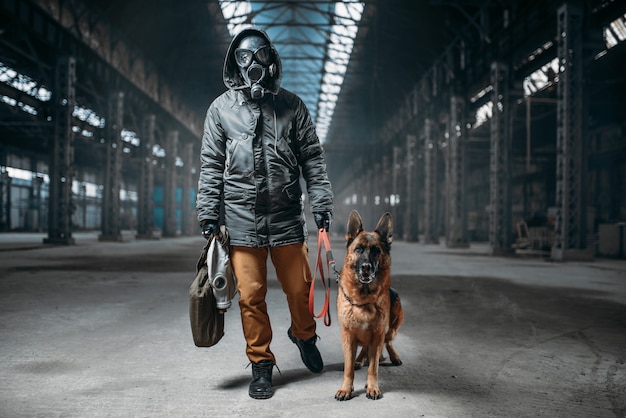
(368, 309)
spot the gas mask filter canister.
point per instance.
(256, 74)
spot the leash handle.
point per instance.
(322, 239)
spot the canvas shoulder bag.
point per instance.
(207, 323)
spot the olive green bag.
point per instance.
(207, 322)
(212, 291)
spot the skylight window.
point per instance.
(483, 114)
(23, 83)
(235, 13)
(615, 32)
(339, 51)
(157, 151)
(130, 137)
(542, 78)
(89, 116)
(613, 35)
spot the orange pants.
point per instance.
(291, 263)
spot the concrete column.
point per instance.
(411, 201)
(500, 226)
(456, 220)
(378, 195)
(60, 205)
(398, 206)
(111, 230)
(170, 225)
(5, 196)
(145, 207)
(571, 233)
(431, 230)
(189, 218)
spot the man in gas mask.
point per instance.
(258, 141)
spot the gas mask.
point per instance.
(254, 59)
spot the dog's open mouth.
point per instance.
(366, 273)
(366, 279)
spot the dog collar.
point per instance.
(345, 295)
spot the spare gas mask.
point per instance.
(254, 59)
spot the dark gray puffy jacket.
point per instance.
(253, 155)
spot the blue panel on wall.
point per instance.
(157, 211)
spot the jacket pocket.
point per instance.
(236, 151)
(293, 190)
(285, 152)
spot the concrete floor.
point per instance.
(102, 330)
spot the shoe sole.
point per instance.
(263, 396)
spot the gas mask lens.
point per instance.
(244, 56)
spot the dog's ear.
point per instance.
(355, 226)
(384, 228)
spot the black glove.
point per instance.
(209, 228)
(323, 220)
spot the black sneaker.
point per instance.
(261, 385)
(309, 353)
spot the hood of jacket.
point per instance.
(231, 74)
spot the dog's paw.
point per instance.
(373, 393)
(344, 395)
(358, 365)
(396, 362)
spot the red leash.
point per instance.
(322, 238)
